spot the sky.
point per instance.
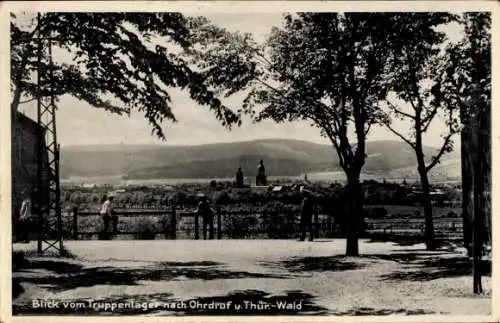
(80, 124)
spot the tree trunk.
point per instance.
(427, 204)
(16, 98)
(424, 180)
(477, 249)
(478, 225)
(355, 211)
(467, 190)
(486, 172)
(481, 232)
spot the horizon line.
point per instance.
(165, 144)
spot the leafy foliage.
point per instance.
(324, 68)
(331, 69)
(239, 226)
(418, 68)
(119, 62)
(467, 81)
(468, 85)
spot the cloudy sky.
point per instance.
(80, 124)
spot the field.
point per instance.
(388, 279)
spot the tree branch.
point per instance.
(368, 128)
(413, 145)
(263, 57)
(342, 150)
(441, 152)
(396, 110)
(27, 101)
(410, 99)
(269, 86)
(416, 89)
(427, 120)
(332, 138)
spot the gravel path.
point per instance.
(386, 279)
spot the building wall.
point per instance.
(25, 134)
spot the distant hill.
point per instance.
(448, 169)
(282, 157)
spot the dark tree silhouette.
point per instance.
(327, 68)
(120, 62)
(418, 69)
(468, 84)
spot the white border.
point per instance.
(197, 7)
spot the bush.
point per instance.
(90, 224)
(279, 225)
(223, 198)
(279, 219)
(239, 226)
(145, 228)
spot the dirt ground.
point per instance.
(309, 277)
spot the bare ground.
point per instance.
(387, 279)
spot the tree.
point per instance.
(120, 62)
(76, 198)
(327, 68)
(417, 73)
(468, 84)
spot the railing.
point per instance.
(444, 227)
(173, 214)
(447, 228)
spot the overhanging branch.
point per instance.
(427, 120)
(391, 129)
(440, 153)
(27, 101)
(397, 111)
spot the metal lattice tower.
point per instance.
(48, 197)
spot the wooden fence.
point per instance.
(444, 228)
(174, 214)
(448, 228)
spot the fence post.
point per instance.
(316, 225)
(75, 223)
(263, 216)
(219, 224)
(196, 226)
(174, 222)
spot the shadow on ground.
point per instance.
(64, 275)
(426, 266)
(368, 311)
(308, 264)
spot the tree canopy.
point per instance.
(120, 62)
(416, 79)
(331, 69)
(417, 68)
